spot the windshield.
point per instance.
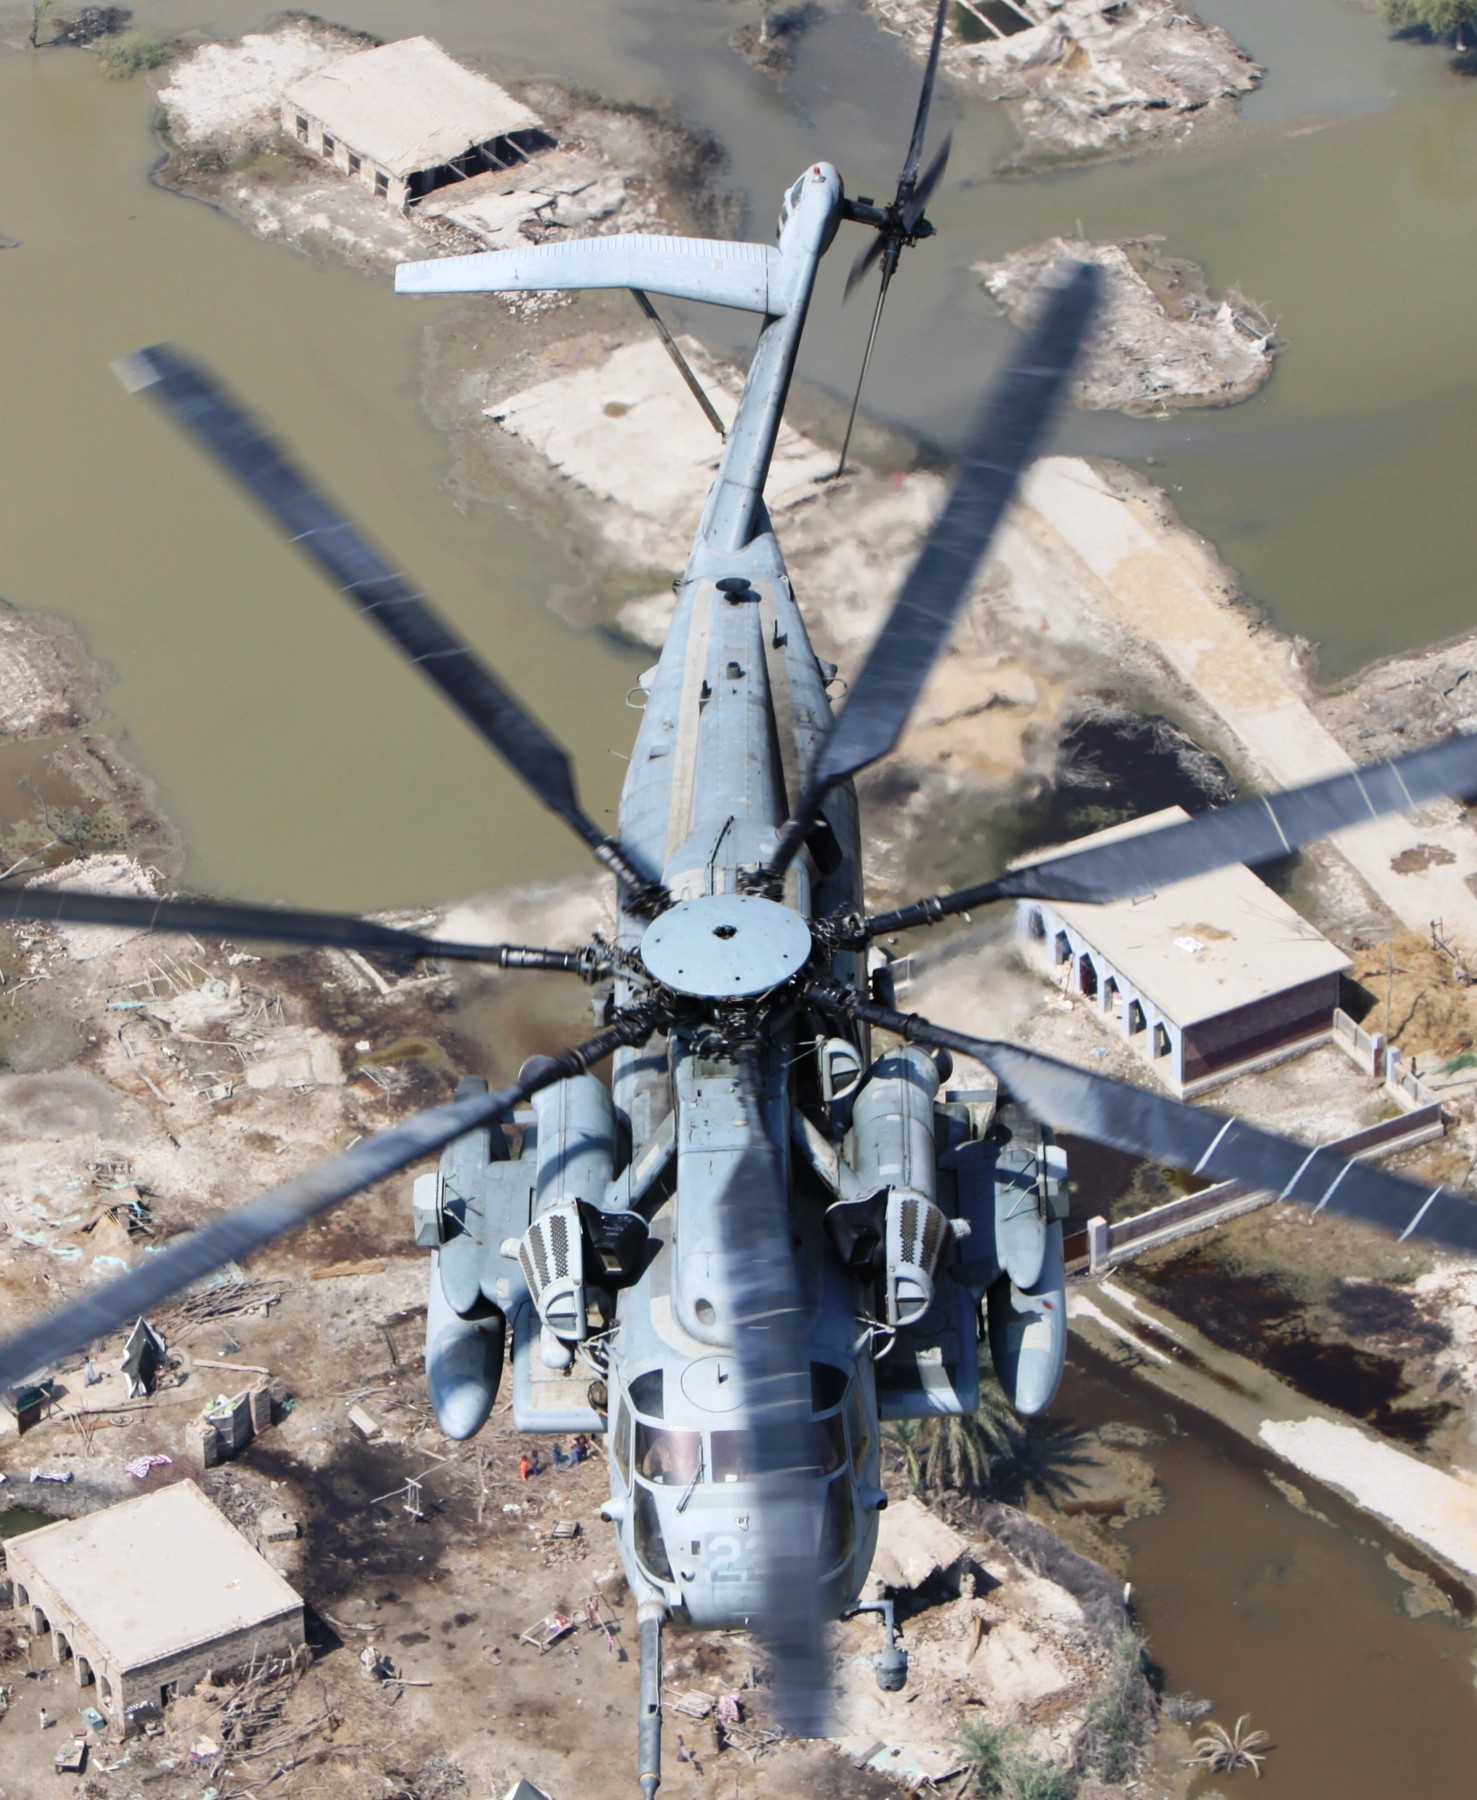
(733, 1451)
(669, 1458)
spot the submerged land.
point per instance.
(156, 1083)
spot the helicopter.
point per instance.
(769, 1234)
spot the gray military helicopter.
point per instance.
(768, 1235)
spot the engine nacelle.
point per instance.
(897, 1223)
(574, 1161)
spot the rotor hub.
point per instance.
(726, 946)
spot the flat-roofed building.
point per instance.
(405, 119)
(142, 1598)
(1207, 978)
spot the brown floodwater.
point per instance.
(1298, 1621)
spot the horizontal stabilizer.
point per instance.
(742, 275)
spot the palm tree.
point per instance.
(1231, 1750)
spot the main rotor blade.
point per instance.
(291, 1204)
(1000, 447)
(268, 924)
(909, 175)
(326, 535)
(1251, 831)
(1204, 1143)
(772, 1343)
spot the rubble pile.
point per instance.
(1092, 77)
(1162, 341)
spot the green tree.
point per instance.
(1448, 21)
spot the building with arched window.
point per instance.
(1207, 978)
(142, 1598)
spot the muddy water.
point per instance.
(302, 760)
(1297, 1621)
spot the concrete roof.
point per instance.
(153, 1576)
(1205, 946)
(407, 105)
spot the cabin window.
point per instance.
(302, 128)
(827, 1386)
(648, 1394)
(651, 1549)
(1135, 1016)
(381, 183)
(329, 145)
(1087, 976)
(669, 1458)
(355, 163)
(1063, 947)
(1161, 1041)
(620, 1440)
(1036, 924)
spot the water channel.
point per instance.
(304, 763)
(1297, 1620)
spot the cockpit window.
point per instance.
(827, 1385)
(796, 192)
(647, 1394)
(733, 1458)
(651, 1549)
(669, 1458)
(860, 1427)
(620, 1440)
(838, 1530)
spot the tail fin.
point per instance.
(746, 276)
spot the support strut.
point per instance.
(649, 1745)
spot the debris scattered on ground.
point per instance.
(1088, 77)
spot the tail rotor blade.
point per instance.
(914, 207)
(1000, 448)
(327, 536)
(289, 1205)
(266, 924)
(909, 175)
(864, 262)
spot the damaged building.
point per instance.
(1207, 978)
(404, 120)
(144, 1597)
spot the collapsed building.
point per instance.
(404, 119)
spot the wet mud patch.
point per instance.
(1308, 1339)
